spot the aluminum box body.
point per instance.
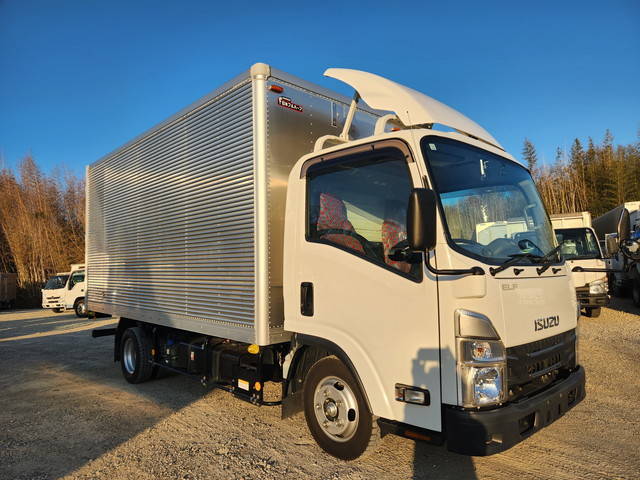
(185, 223)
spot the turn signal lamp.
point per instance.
(253, 349)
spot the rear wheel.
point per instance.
(80, 308)
(135, 355)
(592, 312)
(336, 411)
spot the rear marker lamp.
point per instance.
(415, 395)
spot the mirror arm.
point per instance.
(596, 270)
(435, 271)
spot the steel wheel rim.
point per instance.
(336, 409)
(82, 309)
(129, 356)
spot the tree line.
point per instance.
(592, 177)
(41, 225)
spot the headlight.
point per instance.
(598, 287)
(482, 366)
(482, 386)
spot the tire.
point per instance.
(135, 355)
(57, 310)
(80, 308)
(593, 312)
(635, 293)
(336, 411)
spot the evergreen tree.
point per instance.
(530, 157)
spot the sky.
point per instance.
(79, 78)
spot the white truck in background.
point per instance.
(625, 276)
(66, 290)
(580, 247)
(276, 232)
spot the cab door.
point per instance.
(75, 288)
(381, 312)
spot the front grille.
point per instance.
(534, 366)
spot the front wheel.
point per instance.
(336, 411)
(81, 308)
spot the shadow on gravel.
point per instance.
(623, 305)
(431, 461)
(17, 327)
(63, 401)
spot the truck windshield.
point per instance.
(577, 243)
(491, 207)
(57, 281)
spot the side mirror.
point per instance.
(624, 226)
(421, 220)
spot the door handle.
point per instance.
(306, 299)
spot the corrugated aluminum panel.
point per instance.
(186, 222)
(171, 222)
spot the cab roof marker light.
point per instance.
(276, 88)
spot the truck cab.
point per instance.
(623, 263)
(65, 291)
(390, 259)
(580, 248)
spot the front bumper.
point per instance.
(485, 432)
(586, 299)
(53, 305)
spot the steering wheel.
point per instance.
(366, 246)
(467, 241)
(502, 247)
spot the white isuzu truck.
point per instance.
(277, 232)
(66, 290)
(580, 247)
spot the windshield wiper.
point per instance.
(546, 257)
(515, 258)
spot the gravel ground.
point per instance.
(66, 411)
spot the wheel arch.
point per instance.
(309, 350)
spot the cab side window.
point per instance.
(359, 204)
(77, 277)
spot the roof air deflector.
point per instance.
(412, 107)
